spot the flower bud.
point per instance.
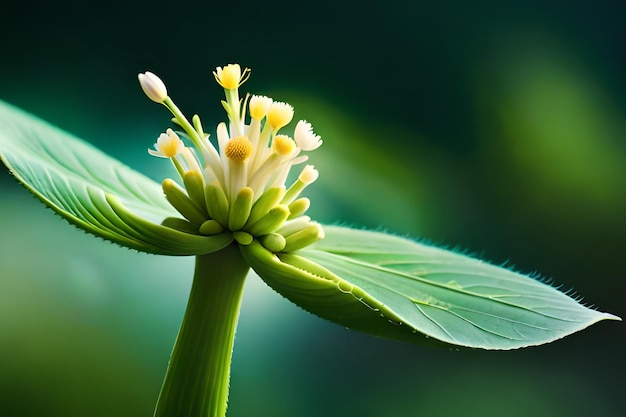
(153, 87)
(240, 210)
(270, 222)
(308, 175)
(304, 237)
(270, 198)
(211, 227)
(273, 242)
(177, 197)
(298, 207)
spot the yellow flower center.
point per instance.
(238, 149)
(170, 144)
(170, 149)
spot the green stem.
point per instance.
(197, 378)
(184, 123)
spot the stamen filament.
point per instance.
(234, 111)
(182, 121)
(179, 167)
(262, 147)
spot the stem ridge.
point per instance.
(197, 378)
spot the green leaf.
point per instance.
(92, 190)
(400, 289)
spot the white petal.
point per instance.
(305, 138)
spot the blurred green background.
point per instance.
(494, 126)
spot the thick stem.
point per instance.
(196, 382)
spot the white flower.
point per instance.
(305, 138)
(168, 145)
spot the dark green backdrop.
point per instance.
(495, 126)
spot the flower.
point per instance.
(279, 115)
(259, 106)
(283, 145)
(168, 145)
(153, 86)
(239, 186)
(305, 138)
(230, 77)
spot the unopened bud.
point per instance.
(153, 87)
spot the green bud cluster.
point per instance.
(206, 211)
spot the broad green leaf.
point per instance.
(400, 289)
(92, 190)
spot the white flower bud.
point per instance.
(308, 175)
(153, 87)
